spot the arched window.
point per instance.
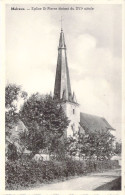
(73, 111)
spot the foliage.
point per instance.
(24, 173)
(100, 144)
(13, 94)
(92, 144)
(45, 120)
(72, 145)
(12, 152)
(118, 148)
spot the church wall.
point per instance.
(73, 113)
(113, 132)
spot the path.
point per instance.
(89, 182)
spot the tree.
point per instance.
(118, 148)
(45, 120)
(72, 145)
(13, 93)
(98, 145)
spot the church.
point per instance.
(79, 121)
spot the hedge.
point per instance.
(24, 173)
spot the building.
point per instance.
(62, 90)
(67, 99)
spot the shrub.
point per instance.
(24, 173)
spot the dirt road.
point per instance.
(89, 182)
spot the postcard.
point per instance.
(62, 100)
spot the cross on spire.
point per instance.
(61, 22)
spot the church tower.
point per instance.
(62, 89)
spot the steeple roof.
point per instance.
(62, 40)
(62, 90)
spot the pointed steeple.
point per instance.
(74, 97)
(62, 90)
(62, 40)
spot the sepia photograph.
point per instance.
(63, 97)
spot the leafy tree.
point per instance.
(118, 148)
(13, 94)
(45, 120)
(98, 144)
(92, 144)
(72, 146)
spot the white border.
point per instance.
(2, 98)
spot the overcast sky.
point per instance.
(93, 39)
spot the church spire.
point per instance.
(62, 40)
(62, 90)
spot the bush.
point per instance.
(100, 165)
(24, 173)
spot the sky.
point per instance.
(94, 51)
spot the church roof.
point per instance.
(94, 123)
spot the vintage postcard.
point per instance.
(62, 97)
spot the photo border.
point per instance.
(2, 97)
